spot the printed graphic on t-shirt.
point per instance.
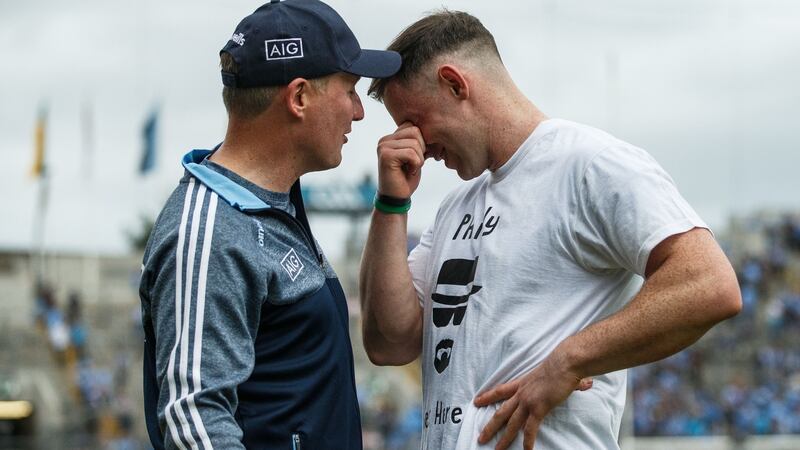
(450, 302)
(467, 230)
(556, 269)
(442, 415)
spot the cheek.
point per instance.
(341, 111)
(428, 134)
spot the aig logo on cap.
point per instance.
(284, 48)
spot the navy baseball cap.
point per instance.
(284, 40)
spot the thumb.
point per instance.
(585, 384)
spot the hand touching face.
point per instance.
(400, 160)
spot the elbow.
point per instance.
(731, 302)
(726, 295)
(375, 355)
(380, 358)
(391, 342)
(384, 355)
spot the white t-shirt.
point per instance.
(519, 259)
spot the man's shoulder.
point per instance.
(192, 212)
(578, 146)
(581, 141)
(581, 131)
(197, 232)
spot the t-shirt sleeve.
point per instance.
(626, 205)
(418, 263)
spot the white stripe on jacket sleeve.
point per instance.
(200, 315)
(187, 310)
(178, 292)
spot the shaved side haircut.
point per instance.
(441, 32)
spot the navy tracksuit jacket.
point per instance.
(246, 325)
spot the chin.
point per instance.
(333, 159)
(466, 175)
(333, 164)
(327, 165)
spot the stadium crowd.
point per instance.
(386, 423)
(105, 409)
(743, 377)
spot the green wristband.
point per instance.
(390, 209)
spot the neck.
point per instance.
(513, 119)
(261, 153)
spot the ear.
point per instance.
(454, 80)
(296, 97)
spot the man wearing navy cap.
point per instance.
(246, 325)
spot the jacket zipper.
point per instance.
(296, 443)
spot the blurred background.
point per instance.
(100, 99)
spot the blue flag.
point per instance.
(149, 137)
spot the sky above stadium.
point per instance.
(708, 87)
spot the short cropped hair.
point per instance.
(245, 103)
(439, 33)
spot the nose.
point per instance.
(358, 108)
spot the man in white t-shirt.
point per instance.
(572, 257)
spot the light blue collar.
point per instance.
(234, 194)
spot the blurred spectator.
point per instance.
(387, 422)
(77, 328)
(104, 414)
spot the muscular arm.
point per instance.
(690, 286)
(392, 317)
(390, 311)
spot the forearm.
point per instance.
(623, 341)
(391, 315)
(221, 429)
(188, 411)
(677, 305)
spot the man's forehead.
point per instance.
(351, 77)
(399, 96)
(394, 90)
(346, 77)
(397, 104)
